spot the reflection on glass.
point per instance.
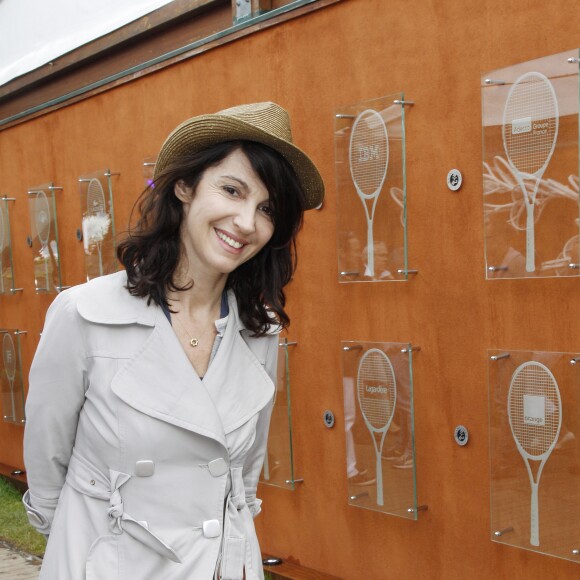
(11, 375)
(97, 224)
(44, 237)
(278, 467)
(148, 170)
(378, 412)
(530, 168)
(535, 460)
(370, 173)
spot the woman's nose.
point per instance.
(245, 218)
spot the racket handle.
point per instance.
(530, 242)
(534, 517)
(12, 399)
(370, 269)
(380, 500)
(266, 466)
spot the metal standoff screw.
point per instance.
(354, 347)
(493, 82)
(419, 508)
(349, 273)
(411, 349)
(358, 495)
(573, 60)
(291, 481)
(495, 357)
(497, 268)
(403, 271)
(575, 361)
(576, 552)
(500, 533)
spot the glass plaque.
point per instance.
(378, 414)
(278, 467)
(535, 456)
(6, 264)
(11, 376)
(369, 141)
(98, 223)
(530, 168)
(44, 239)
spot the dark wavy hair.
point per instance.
(152, 248)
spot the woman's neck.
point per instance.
(203, 296)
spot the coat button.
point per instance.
(144, 468)
(92, 482)
(211, 528)
(218, 467)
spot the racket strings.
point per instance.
(531, 98)
(369, 153)
(533, 380)
(376, 390)
(95, 198)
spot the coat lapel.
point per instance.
(159, 379)
(160, 382)
(236, 379)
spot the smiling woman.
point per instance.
(144, 444)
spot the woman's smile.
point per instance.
(231, 242)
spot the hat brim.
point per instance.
(201, 132)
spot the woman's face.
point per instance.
(228, 218)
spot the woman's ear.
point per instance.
(182, 191)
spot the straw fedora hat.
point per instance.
(265, 123)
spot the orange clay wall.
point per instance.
(434, 51)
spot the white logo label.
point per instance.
(377, 389)
(534, 410)
(368, 152)
(521, 125)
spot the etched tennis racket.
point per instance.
(377, 397)
(369, 159)
(530, 131)
(42, 221)
(2, 238)
(535, 417)
(96, 208)
(9, 357)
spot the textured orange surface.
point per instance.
(352, 51)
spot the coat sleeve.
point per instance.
(57, 385)
(255, 458)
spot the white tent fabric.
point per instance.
(34, 32)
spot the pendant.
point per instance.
(194, 342)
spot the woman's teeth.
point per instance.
(229, 240)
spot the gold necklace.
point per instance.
(193, 342)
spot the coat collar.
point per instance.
(159, 379)
(106, 300)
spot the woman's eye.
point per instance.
(230, 190)
(267, 211)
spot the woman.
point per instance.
(151, 389)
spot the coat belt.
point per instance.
(88, 480)
(240, 544)
(240, 548)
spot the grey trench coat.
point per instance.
(137, 468)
